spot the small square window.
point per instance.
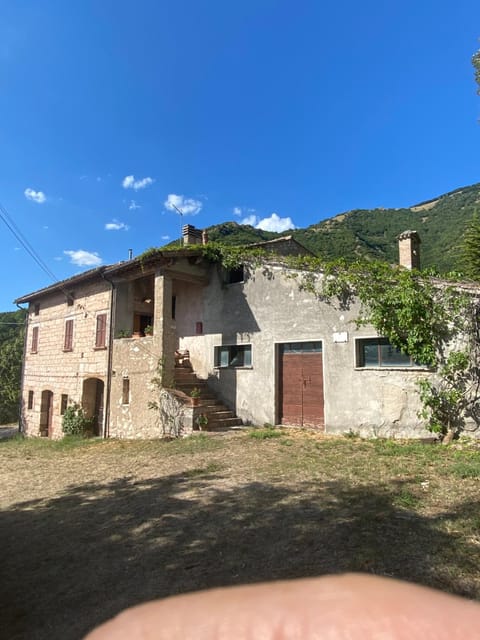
(235, 275)
(233, 356)
(36, 308)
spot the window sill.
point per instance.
(104, 348)
(377, 368)
(67, 350)
(248, 368)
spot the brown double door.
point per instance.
(301, 384)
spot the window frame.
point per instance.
(233, 351)
(35, 339)
(63, 403)
(101, 331)
(30, 400)
(125, 390)
(68, 335)
(379, 342)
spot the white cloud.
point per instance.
(115, 225)
(251, 220)
(129, 182)
(273, 223)
(133, 206)
(237, 211)
(165, 237)
(35, 196)
(84, 258)
(188, 206)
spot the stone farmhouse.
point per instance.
(256, 347)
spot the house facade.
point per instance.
(269, 351)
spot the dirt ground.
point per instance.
(90, 528)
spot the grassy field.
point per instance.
(91, 527)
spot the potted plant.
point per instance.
(195, 396)
(123, 333)
(201, 421)
(148, 331)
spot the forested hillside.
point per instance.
(11, 350)
(372, 233)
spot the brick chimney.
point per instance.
(191, 235)
(409, 250)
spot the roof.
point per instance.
(149, 257)
(106, 270)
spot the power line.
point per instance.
(10, 224)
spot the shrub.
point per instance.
(75, 422)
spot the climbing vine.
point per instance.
(434, 321)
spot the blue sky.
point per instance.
(274, 112)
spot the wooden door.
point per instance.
(301, 384)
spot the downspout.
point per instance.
(21, 426)
(106, 424)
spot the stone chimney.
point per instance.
(409, 250)
(191, 235)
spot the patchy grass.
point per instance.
(265, 434)
(90, 527)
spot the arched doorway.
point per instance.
(46, 414)
(92, 403)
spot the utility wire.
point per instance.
(9, 222)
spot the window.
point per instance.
(68, 338)
(36, 308)
(30, 400)
(378, 352)
(101, 331)
(199, 328)
(174, 306)
(302, 347)
(34, 346)
(233, 356)
(70, 299)
(63, 403)
(235, 275)
(126, 391)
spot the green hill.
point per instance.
(372, 233)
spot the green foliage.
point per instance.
(476, 66)
(446, 400)
(265, 434)
(11, 352)
(471, 248)
(75, 422)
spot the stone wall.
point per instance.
(58, 371)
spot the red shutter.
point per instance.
(34, 339)
(101, 333)
(68, 342)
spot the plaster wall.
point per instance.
(269, 309)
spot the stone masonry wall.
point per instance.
(52, 368)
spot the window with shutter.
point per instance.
(34, 347)
(68, 339)
(101, 332)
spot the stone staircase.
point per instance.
(220, 418)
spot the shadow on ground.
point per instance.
(71, 562)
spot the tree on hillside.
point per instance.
(476, 66)
(471, 249)
(10, 371)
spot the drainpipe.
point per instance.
(21, 426)
(106, 424)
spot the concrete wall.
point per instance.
(53, 369)
(269, 309)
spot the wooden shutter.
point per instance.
(68, 341)
(34, 340)
(101, 332)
